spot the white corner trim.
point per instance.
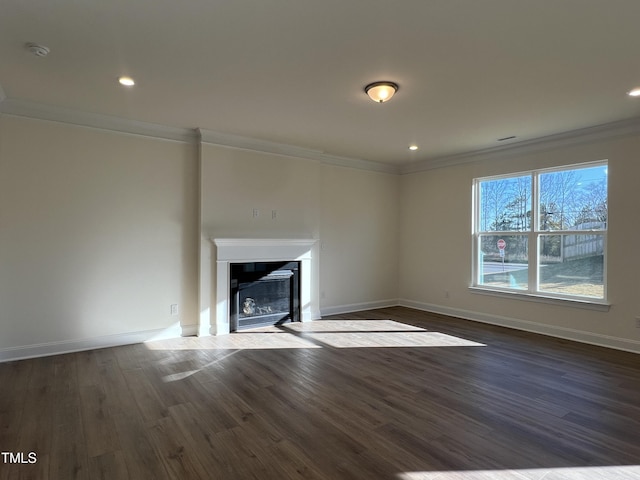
(529, 326)
(265, 146)
(70, 346)
(39, 111)
(574, 137)
(357, 307)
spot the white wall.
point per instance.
(351, 212)
(436, 246)
(235, 182)
(97, 235)
(360, 228)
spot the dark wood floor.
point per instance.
(391, 394)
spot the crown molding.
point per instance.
(574, 137)
(40, 111)
(265, 146)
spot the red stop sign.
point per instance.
(502, 244)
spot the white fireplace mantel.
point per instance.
(240, 250)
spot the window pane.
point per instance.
(505, 204)
(572, 264)
(509, 269)
(574, 199)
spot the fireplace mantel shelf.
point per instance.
(267, 242)
(258, 249)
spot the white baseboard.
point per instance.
(528, 326)
(70, 346)
(356, 307)
(309, 315)
(189, 331)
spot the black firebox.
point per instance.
(264, 293)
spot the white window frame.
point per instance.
(534, 233)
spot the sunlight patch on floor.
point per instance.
(319, 334)
(615, 472)
(375, 334)
(351, 326)
(391, 339)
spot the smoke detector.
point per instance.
(38, 50)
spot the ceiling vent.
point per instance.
(38, 50)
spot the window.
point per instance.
(543, 232)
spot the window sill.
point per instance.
(539, 298)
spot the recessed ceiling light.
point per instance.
(634, 93)
(413, 147)
(126, 81)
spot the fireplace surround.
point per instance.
(229, 251)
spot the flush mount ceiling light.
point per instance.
(634, 93)
(126, 81)
(381, 92)
(413, 148)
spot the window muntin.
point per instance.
(551, 225)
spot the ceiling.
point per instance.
(293, 71)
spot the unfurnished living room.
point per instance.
(319, 240)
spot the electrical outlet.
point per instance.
(274, 214)
(256, 213)
(174, 309)
(637, 322)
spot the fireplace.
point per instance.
(264, 293)
(216, 310)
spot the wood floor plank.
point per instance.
(36, 421)
(119, 398)
(170, 444)
(67, 456)
(108, 466)
(99, 428)
(150, 405)
(137, 447)
(88, 368)
(200, 439)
